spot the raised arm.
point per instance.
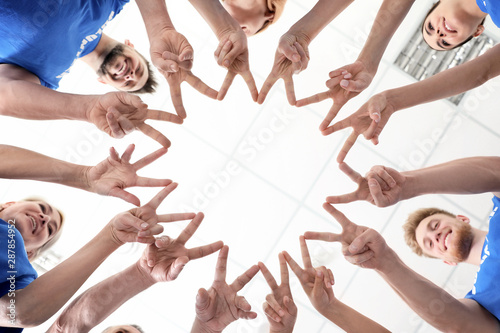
(367, 248)
(98, 302)
(317, 284)
(116, 113)
(232, 51)
(348, 81)
(46, 295)
(110, 177)
(372, 117)
(292, 55)
(170, 52)
(384, 186)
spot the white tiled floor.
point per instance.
(282, 170)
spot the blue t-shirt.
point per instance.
(486, 290)
(46, 36)
(491, 7)
(16, 271)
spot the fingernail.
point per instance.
(319, 274)
(344, 83)
(150, 263)
(172, 67)
(344, 72)
(281, 313)
(372, 182)
(296, 57)
(142, 233)
(226, 63)
(377, 116)
(353, 248)
(144, 225)
(347, 76)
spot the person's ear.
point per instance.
(128, 43)
(463, 218)
(101, 80)
(7, 204)
(269, 16)
(479, 30)
(451, 263)
(31, 254)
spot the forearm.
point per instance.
(98, 302)
(18, 163)
(447, 83)
(387, 21)
(216, 16)
(464, 176)
(28, 100)
(424, 297)
(351, 320)
(46, 295)
(319, 17)
(155, 16)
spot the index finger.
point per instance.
(191, 228)
(248, 77)
(200, 86)
(306, 258)
(205, 250)
(164, 116)
(345, 168)
(176, 96)
(337, 215)
(266, 87)
(332, 113)
(351, 140)
(244, 278)
(339, 125)
(220, 266)
(313, 99)
(293, 265)
(268, 276)
(158, 199)
(149, 158)
(323, 236)
(283, 269)
(154, 134)
(290, 90)
(228, 80)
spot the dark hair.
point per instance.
(454, 47)
(151, 84)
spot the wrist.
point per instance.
(140, 276)
(389, 261)
(409, 188)
(84, 178)
(200, 327)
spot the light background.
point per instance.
(284, 170)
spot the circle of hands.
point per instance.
(164, 258)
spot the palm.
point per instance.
(169, 46)
(222, 310)
(127, 105)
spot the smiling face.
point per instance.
(37, 221)
(124, 68)
(447, 26)
(445, 237)
(251, 15)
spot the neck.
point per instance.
(95, 58)
(476, 247)
(471, 8)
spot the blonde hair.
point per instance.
(413, 221)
